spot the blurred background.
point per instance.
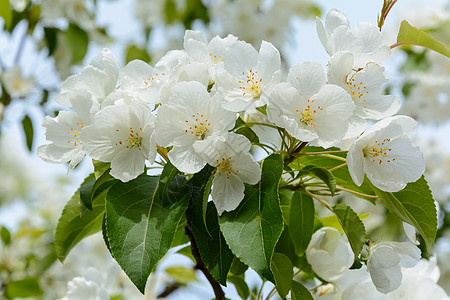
(44, 42)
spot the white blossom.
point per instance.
(329, 253)
(191, 115)
(248, 76)
(385, 260)
(235, 165)
(121, 134)
(99, 78)
(385, 154)
(64, 130)
(16, 84)
(308, 108)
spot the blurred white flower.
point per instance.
(190, 116)
(308, 108)
(385, 260)
(15, 84)
(235, 165)
(123, 135)
(385, 154)
(329, 254)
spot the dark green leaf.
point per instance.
(24, 288)
(238, 267)
(28, 130)
(414, 205)
(240, 285)
(77, 39)
(134, 52)
(301, 221)
(102, 183)
(283, 272)
(5, 12)
(253, 229)
(321, 173)
(51, 37)
(5, 235)
(206, 192)
(72, 227)
(100, 167)
(142, 216)
(86, 192)
(299, 292)
(248, 133)
(352, 225)
(411, 35)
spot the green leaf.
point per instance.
(186, 251)
(299, 292)
(134, 52)
(248, 133)
(411, 35)
(333, 221)
(77, 39)
(253, 229)
(24, 288)
(180, 237)
(86, 192)
(283, 272)
(238, 267)
(28, 130)
(211, 244)
(142, 216)
(240, 285)
(72, 227)
(100, 167)
(321, 173)
(5, 235)
(414, 205)
(301, 221)
(102, 183)
(183, 275)
(352, 225)
(206, 192)
(51, 37)
(5, 12)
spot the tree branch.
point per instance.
(220, 295)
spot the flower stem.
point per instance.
(356, 193)
(220, 295)
(323, 202)
(337, 167)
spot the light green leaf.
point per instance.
(301, 221)
(5, 12)
(248, 133)
(100, 167)
(5, 235)
(142, 216)
(333, 221)
(240, 285)
(181, 274)
(134, 52)
(411, 35)
(352, 225)
(24, 288)
(299, 292)
(414, 205)
(77, 39)
(253, 229)
(72, 227)
(283, 272)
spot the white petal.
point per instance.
(55, 154)
(184, 157)
(127, 164)
(227, 193)
(307, 77)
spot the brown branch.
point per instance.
(220, 295)
(169, 290)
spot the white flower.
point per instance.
(364, 86)
(15, 84)
(235, 165)
(93, 286)
(385, 154)
(248, 76)
(308, 108)
(99, 78)
(64, 130)
(329, 254)
(385, 260)
(190, 116)
(365, 42)
(210, 54)
(121, 134)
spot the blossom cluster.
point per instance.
(187, 108)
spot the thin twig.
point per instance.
(323, 202)
(169, 290)
(322, 152)
(337, 167)
(220, 295)
(356, 193)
